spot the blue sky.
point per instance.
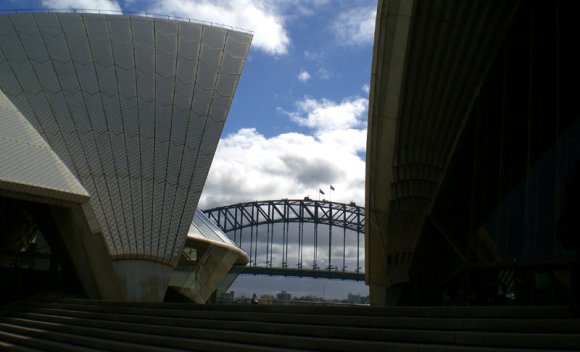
(298, 120)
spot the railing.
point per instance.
(291, 302)
(302, 272)
(126, 13)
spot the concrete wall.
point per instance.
(142, 280)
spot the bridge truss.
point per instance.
(278, 226)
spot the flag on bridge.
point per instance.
(331, 188)
(319, 190)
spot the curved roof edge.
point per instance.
(126, 13)
(29, 166)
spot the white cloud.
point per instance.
(102, 5)
(325, 115)
(263, 18)
(299, 8)
(366, 88)
(304, 76)
(323, 73)
(313, 55)
(317, 58)
(355, 26)
(250, 166)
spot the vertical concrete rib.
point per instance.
(135, 157)
(167, 43)
(169, 197)
(144, 51)
(103, 137)
(181, 190)
(122, 64)
(153, 250)
(200, 172)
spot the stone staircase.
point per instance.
(88, 325)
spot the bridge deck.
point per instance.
(295, 272)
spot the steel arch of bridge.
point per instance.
(232, 219)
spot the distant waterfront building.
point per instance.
(266, 299)
(357, 299)
(283, 297)
(109, 124)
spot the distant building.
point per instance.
(266, 299)
(227, 297)
(357, 299)
(283, 297)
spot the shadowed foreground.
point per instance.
(87, 325)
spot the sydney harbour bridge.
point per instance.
(303, 238)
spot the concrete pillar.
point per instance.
(142, 280)
(87, 249)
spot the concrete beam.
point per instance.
(87, 250)
(388, 70)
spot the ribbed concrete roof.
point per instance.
(430, 59)
(133, 106)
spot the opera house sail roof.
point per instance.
(133, 107)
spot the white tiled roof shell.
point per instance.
(27, 163)
(134, 107)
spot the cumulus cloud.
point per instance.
(304, 76)
(355, 26)
(250, 166)
(366, 88)
(327, 115)
(101, 5)
(263, 18)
